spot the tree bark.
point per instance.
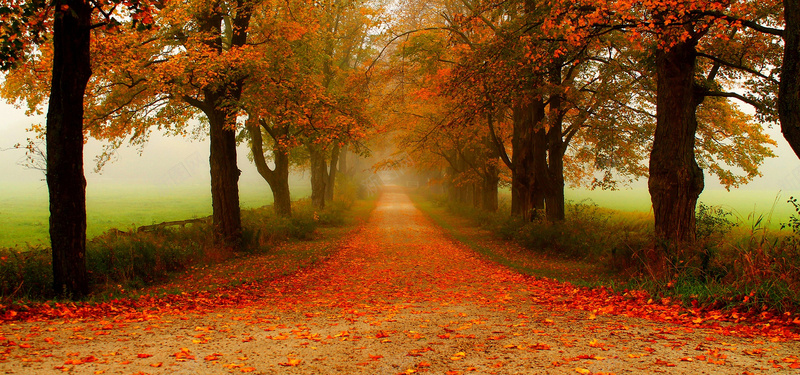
(676, 180)
(319, 176)
(219, 105)
(489, 187)
(330, 185)
(64, 136)
(540, 172)
(789, 89)
(554, 189)
(278, 178)
(524, 196)
(224, 181)
(343, 161)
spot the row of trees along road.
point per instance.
(584, 91)
(116, 70)
(534, 94)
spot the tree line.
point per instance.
(533, 94)
(536, 94)
(286, 77)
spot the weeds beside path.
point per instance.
(400, 296)
(513, 255)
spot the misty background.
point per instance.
(178, 168)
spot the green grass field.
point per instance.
(24, 212)
(24, 209)
(746, 205)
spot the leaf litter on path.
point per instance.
(398, 297)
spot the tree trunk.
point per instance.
(278, 178)
(343, 162)
(524, 196)
(675, 178)
(218, 106)
(475, 194)
(540, 173)
(789, 89)
(330, 185)
(281, 195)
(64, 136)
(319, 177)
(491, 180)
(554, 199)
(224, 180)
(554, 192)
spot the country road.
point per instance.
(401, 297)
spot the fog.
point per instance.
(164, 164)
(168, 164)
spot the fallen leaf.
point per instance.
(291, 362)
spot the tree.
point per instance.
(341, 46)
(72, 23)
(195, 61)
(688, 73)
(65, 180)
(789, 91)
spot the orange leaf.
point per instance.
(291, 362)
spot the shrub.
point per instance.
(25, 271)
(728, 264)
(134, 259)
(139, 258)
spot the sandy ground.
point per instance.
(400, 297)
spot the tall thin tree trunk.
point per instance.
(489, 188)
(789, 89)
(676, 180)
(319, 176)
(541, 182)
(475, 196)
(343, 162)
(278, 178)
(330, 185)
(64, 136)
(554, 199)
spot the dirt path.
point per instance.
(400, 297)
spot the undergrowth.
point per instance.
(129, 260)
(735, 262)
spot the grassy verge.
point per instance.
(24, 212)
(733, 265)
(174, 260)
(469, 231)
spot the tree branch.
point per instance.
(737, 66)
